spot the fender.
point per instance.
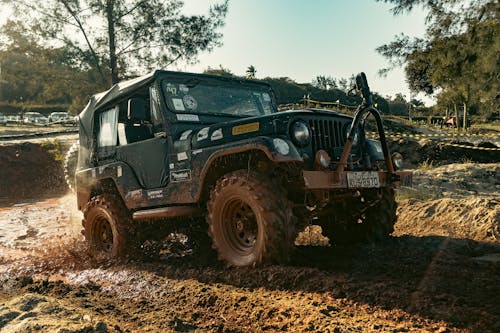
(88, 179)
(263, 144)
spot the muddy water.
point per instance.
(31, 225)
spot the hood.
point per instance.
(276, 124)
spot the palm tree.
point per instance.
(251, 72)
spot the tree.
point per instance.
(124, 35)
(39, 74)
(221, 71)
(459, 55)
(251, 71)
(343, 84)
(325, 82)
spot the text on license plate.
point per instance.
(363, 179)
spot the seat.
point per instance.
(137, 131)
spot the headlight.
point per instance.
(300, 133)
(281, 146)
(397, 160)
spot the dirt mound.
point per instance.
(457, 180)
(417, 152)
(472, 218)
(29, 171)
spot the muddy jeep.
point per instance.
(170, 146)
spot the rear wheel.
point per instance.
(250, 220)
(107, 226)
(374, 224)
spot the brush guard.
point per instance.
(345, 179)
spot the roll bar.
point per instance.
(362, 112)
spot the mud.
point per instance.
(439, 272)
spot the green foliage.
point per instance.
(413, 193)
(221, 71)
(325, 82)
(288, 91)
(251, 72)
(121, 37)
(459, 57)
(33, 74)
(426, 165)
(54, 148)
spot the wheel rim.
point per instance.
(103, 235)
(240, 227)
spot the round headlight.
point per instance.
(300, 133)
(281, 146)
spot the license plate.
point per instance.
(364, 179)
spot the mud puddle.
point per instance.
(28, 225)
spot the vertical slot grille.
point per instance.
(326, 134)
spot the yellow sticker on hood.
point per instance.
(247, 128)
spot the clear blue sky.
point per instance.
(305, 38)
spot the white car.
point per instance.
(12, 119)
(35, 118)
(61, 118)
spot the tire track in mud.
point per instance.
(368, 288)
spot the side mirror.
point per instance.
(136, 109)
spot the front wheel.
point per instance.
(374, 224)
(250, 220)
(107, 226)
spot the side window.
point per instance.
(137, 121)
(156, 116)
(107, 122)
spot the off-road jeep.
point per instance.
(170, 145)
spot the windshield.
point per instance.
(211, 98)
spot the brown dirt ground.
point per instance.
(438, 273)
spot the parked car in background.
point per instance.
(3, 119)
(12, 119)
(61, 118)
(35, 118)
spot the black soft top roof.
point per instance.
(124, 88)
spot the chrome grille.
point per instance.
(326, 134)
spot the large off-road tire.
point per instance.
(375, 224)
(250, 220)
(70, 163)
(108, 227)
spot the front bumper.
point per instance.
(325, 180)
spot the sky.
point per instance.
(301, 39)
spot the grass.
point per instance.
(425, 165)
(413, 193)
(54, 148)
